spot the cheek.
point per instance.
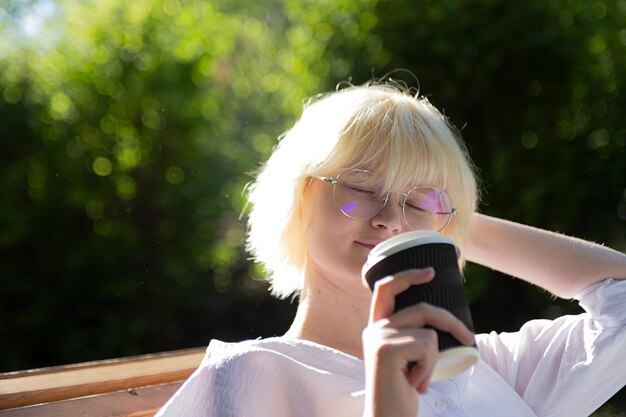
(326, 228)
(321, 216)
(330, 239)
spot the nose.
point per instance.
(391, 216)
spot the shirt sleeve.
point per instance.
(569, 366)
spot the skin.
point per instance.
(337, 310)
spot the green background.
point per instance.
(129, 131)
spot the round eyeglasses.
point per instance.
(359, 195)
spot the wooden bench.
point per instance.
(133, 387)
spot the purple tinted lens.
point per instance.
(427, 208)
(429, 199)
(349, 207)
(359, 209)
(356, 194)
(435, 201)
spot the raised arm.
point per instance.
(560, 264)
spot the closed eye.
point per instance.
(360, 190)
(414, 207)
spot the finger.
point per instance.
(400, 347)
(421, 374)
(422, 388)
(423, 314)
(386, 290)
(423, 367)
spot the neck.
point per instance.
(332, 316)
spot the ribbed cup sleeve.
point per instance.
(446, 290)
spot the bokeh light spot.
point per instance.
(174, 175)
(102, 166)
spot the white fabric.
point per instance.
(566, 367)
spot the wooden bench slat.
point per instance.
(145, 402)
(60, 383)
(103, 362)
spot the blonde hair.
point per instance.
(383, 128)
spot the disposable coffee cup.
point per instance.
(423, 249)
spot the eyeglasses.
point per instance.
(359, 194)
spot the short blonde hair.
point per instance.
(383, 128)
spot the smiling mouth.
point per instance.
(366, 245)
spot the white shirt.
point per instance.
(565, 367)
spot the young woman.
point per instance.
(364, 164)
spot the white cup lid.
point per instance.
(404, 241)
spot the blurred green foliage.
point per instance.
(129, 131)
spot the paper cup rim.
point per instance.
(454, 361)
(404, 241)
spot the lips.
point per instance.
(368, 243)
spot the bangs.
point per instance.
(394, 138)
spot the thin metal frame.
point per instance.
(334, 180)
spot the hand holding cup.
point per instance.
(425, 249)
